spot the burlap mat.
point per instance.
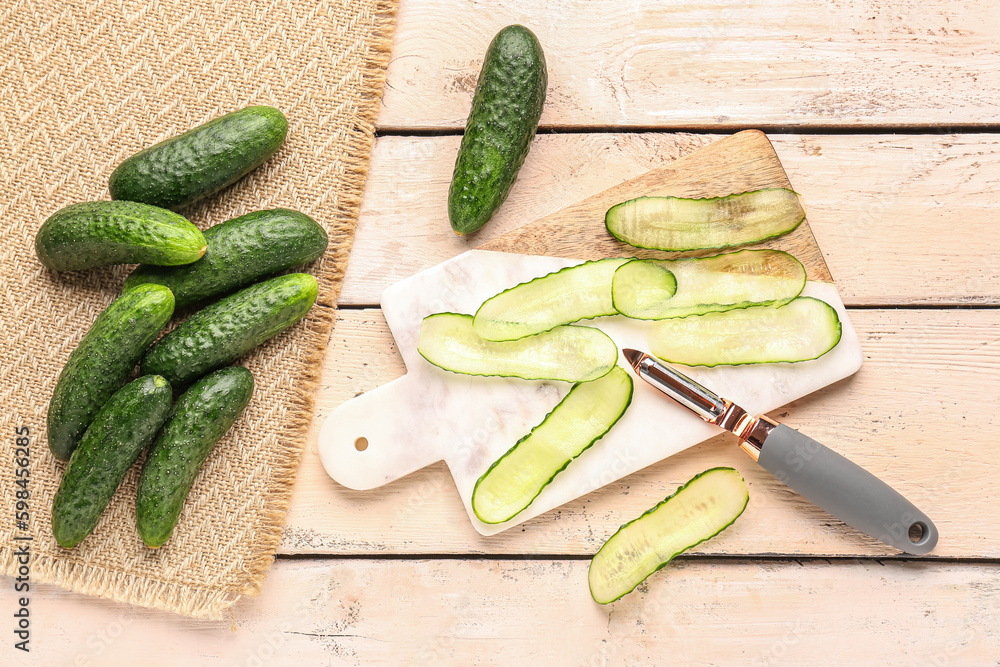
(85, 84)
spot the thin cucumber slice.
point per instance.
(700, 509)
(574, 293)
(582, 418)
(675, 223)
(803, 329)
(567, 353)
(702, 285)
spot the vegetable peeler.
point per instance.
(817, 473)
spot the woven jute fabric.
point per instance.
(86, 83)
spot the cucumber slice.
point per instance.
(567, 353)
(700, 509)
(675, 223)
(582, 418)
(803, 329)
(574, 293)
(645, 289)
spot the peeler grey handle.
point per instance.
(846, 490)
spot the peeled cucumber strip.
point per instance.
(582, 418)
(803, 329)
(574, 293)
(654, 290)
(675, 223)
(567, 353)
(700, 509)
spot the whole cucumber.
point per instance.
(240, 251)
(229, 328)
(102, 362)
(203, 414)
(82, 236)
(506, 107)
(111, 444)
(185, 168)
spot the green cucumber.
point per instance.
(803, 329)
(566, 353)
(102, 362)
(656, 290)
(202, 161)
(675, 223)
(229, 328)
(505, 111)
(240, 251)
(112, 443)
(203, 414)
(700, 509)
(582, 418)
(574, 293)
(99, 233)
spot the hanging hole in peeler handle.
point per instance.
(918, 532)
(361, 444)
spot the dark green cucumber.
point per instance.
(227, 329)
(240, 251)
(203, 414)
(505, 111)
(700, 509)
(102, 362)
(98, 233)
(185, 168)
(112, 443)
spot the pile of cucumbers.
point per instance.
(98, 420)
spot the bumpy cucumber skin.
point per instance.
(102, 362)
(240, 251)
(89, 234)
(227, 329)
(506, 107)
(201, 161)
(656, 507)
(203, 414)
(112, 443)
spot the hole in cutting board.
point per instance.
(917, 532)
(361, 444)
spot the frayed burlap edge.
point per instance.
(211, 603)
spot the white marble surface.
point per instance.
(430, 414)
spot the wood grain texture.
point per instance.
(901, 220)
(721, 64)
(534, 612)
(738, 163)
(919, 414)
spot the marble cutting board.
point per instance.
(430, 414)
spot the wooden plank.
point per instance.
(920, 414)
(727, 64)
(738, 163)
(435, 612)
(901, 220)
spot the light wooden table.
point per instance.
(885, 116)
